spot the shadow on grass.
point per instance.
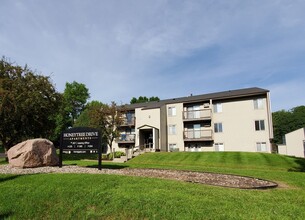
(6, 215)
(109, 166)
(8, 178)
(301, 165)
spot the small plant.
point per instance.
(117, 154)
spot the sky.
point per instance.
(128, 48)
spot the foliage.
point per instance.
(143, 99)
(123, 197)
(106, 118)
(83, 119)
(117, 154)
(28, 104)
(75, 97)
(287, 121)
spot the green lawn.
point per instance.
(85, 196)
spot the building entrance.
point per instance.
(146, 138)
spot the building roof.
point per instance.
(199, 98)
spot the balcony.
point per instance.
(126, 139)
(129, 121)
(197, 115)
(198, 135)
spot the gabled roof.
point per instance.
(205, 97)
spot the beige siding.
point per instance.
(178, 122)
(149, 117)
(238, 118)
(238, 123)
(295, 143)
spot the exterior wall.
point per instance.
(199, 138)
(282, 149)
(178, 122)
(295, 143)
(238, 118)
(238, 123)
(115, 147)
(149, 117)
(163, 129)
(127, 130)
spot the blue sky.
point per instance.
(121, 49)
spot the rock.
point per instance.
(33, 153)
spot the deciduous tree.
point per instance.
(75, 98)
(143, 99)
(287, 121)
(106, 118)
(28, 104)
(84, 119)
(73, 102)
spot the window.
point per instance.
(193, 111)
(130, 118)
(219, 147)
(173, 147)
(261, 147)
(172, 111)
(258, 103)
(218, 127)
(217, 107)
(196, 129)
(172, 129)
(194, 147)
(260, 125)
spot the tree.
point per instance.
(106, 118)
(143, 99)
(72, 104)
(287, 121)
(83, 119)
(28, 104)
(75, 97)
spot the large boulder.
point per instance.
(33, 153)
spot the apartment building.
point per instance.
(235, 120)
(294, 144)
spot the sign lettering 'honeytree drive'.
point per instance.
(81, 140)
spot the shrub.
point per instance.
(117, 154)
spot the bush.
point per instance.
(117, 154)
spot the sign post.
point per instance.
(81, 140)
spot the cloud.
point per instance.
(121, 49)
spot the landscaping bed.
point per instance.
(223, 180)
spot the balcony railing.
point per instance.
(127, 138)
(198, 135)
(202, 114)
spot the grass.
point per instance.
(85, 196)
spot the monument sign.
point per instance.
(81, 140)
